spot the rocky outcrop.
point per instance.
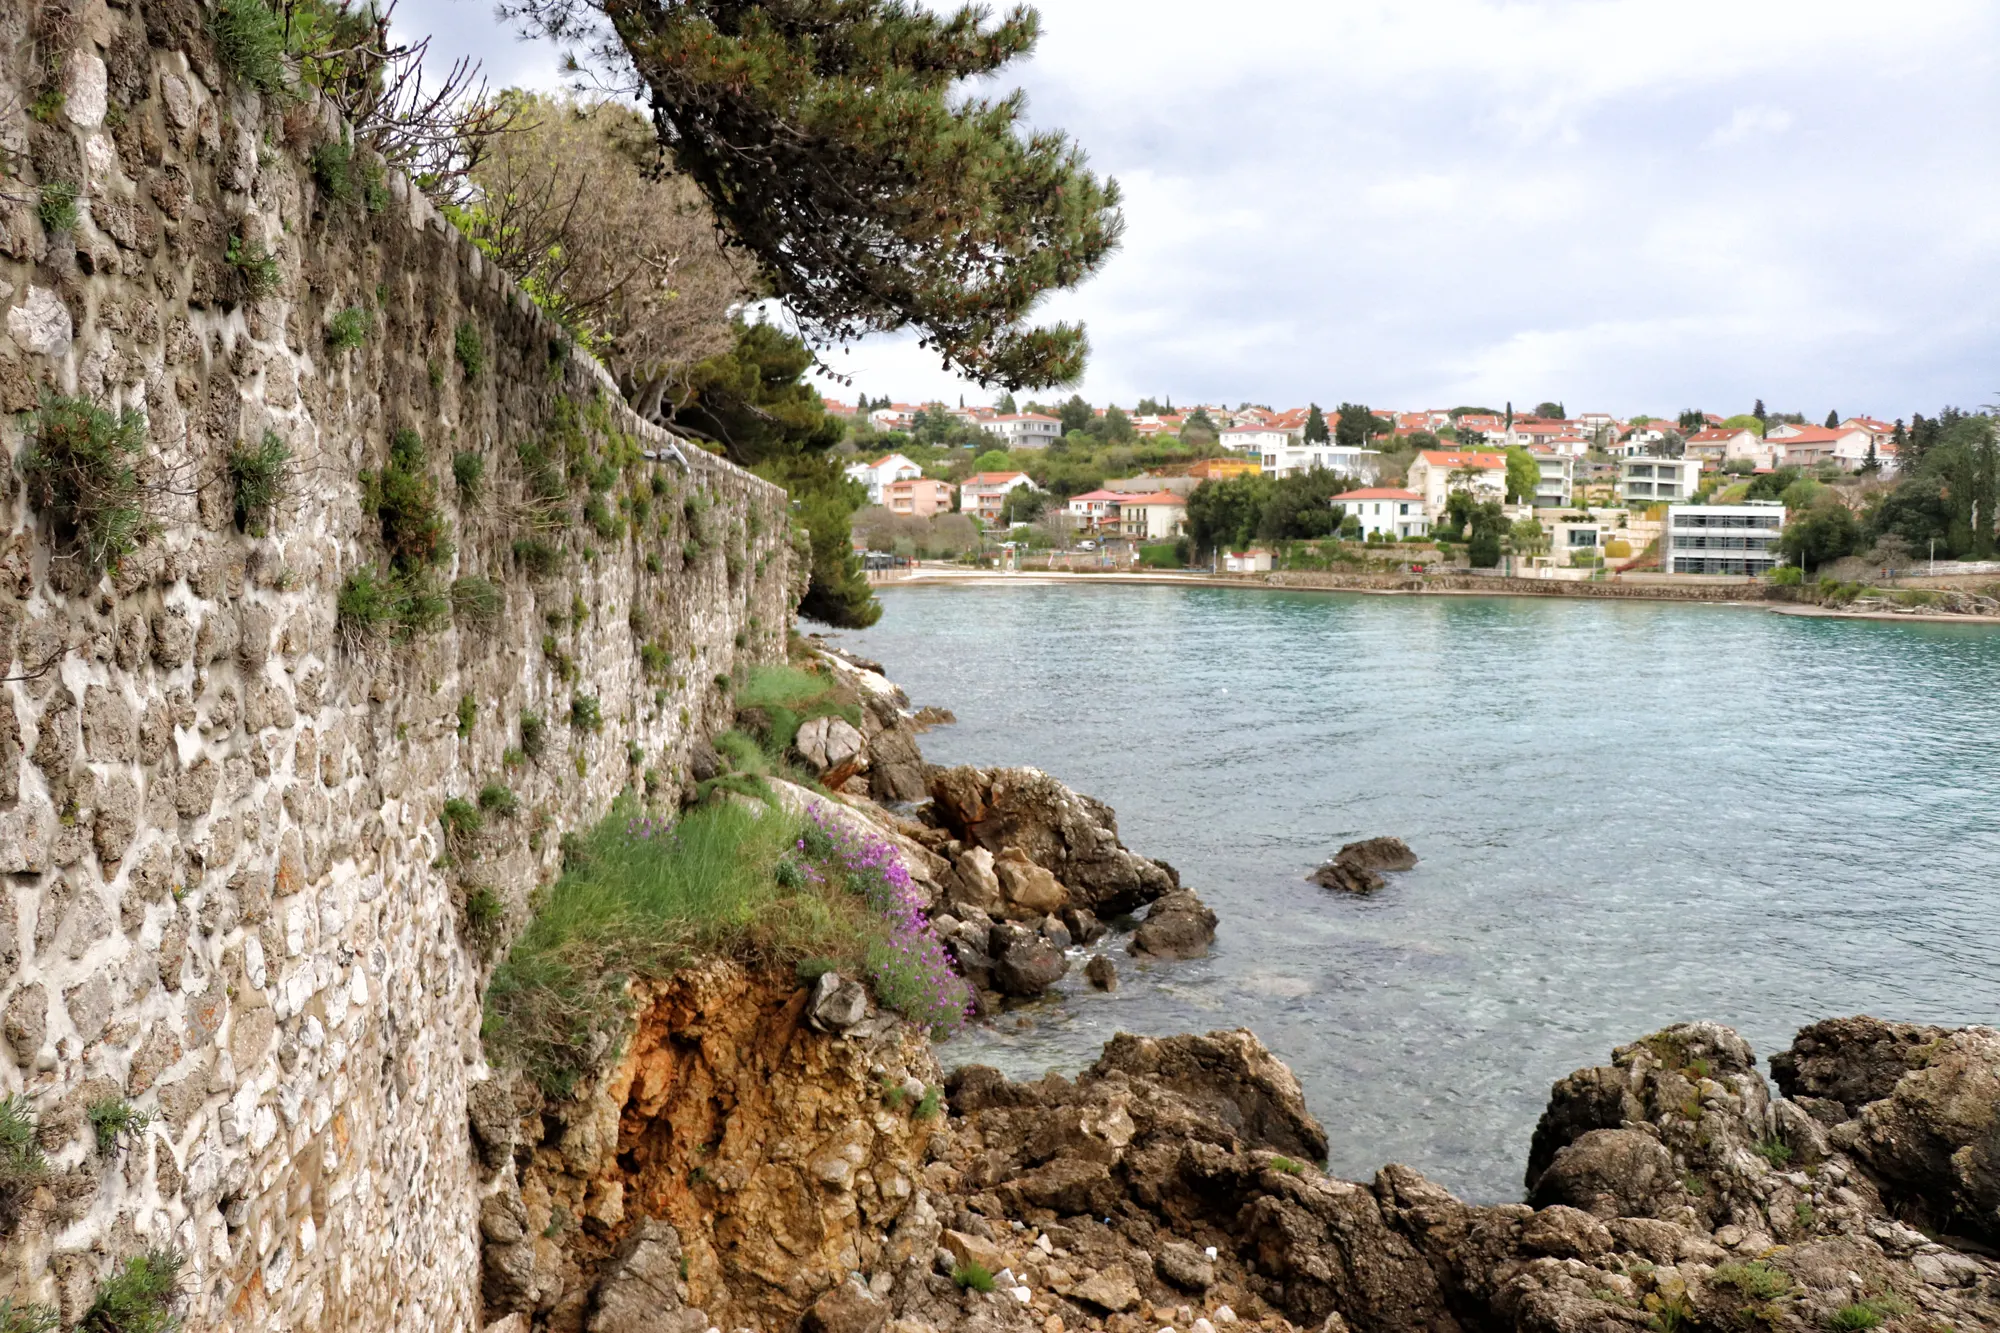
(1176, 926)
(1072, 836)
(1357, 867)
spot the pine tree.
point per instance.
(1759, 412)
(1316, 432)
(837, 144)
(1832, 419)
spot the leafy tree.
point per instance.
(1457, 412)
(1524, 475)
(754, 403)
(1550, 411)
(1004, 405)
(1114, 425)
(1826, 531)
(1296, 506)
(837, 144)
(1076, 415)
(1198, 431)
(1152, 407)
(1527, 537)
(1316, 431)
(1355, 424)
(1771, 485)
(1023, 505)
(993, 460)
(1226, 513)
(1832, 419)
(1746, 421)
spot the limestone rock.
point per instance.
(41, 323)
(1112, 1290)
(1852, 1061)
(1378, 854)
(1609, 1173)
(1024, 963)
(837, 1004)
(642, 1290)
(1027, 891)
(1179, 925)
(829, 743)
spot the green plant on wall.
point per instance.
(257, 477)
(57, 207)
(348, 329)
(470, 351)
(81, 469)
(256, 266)
(250, 41)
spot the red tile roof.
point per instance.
(1378, 493)
(1454, 459)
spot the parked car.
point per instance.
(1086, 546)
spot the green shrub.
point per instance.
(534, 735)
(114, 1118)
(57, 207)
(483, 910)
(333, 168)
(470, 351)
(499, 801)
(1775, 1151)
(1160, 556)
(373, 606)
(608, 526)
(348, 329)
(654, 660)
(638, 897)
(1288, 1166)
(468, 470)
(250, 41)
(932, 1103)
(468, 715)
(478, 601)
(542, 470)
(539, 558)
(257, 266)
(690, 551)
(30, 1318)
(22, 1165)
(80, 471)
(258, 478)
(463, 823)
(141, 1297)
(585, 714)
(1757, 1280)
(47, 106)
(404, 499)
(1860, 1315)
(973, 1276)
(1787, 576)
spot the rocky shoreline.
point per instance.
(767, 1156)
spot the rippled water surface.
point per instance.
(1628, 814)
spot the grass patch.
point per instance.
(250, 41)
(1775, 1151)
(141, 1297)
(534, 735)
(973, 1277)
(468, 349)
(932, 1103)
(1288, 1166)
(29, 1318)
(405, 500)
(56, 207)
(639, 897)
(1165, 555)
(468, 715)
(257, 477)
(256, 266)
(499, 801)
(468, 470)
(80, 469)
(348, 329)
(585, 713)
(1756, 1279)
(1860, 1315)
(540, 559)
(785, 698)
(348, 177)
(483, 910)
(374, 606)
(463, 823)
(476, 600)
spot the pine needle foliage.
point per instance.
(141, 1297)
(81, 469)
(837, 145)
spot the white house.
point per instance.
(1256, 560)
(1157, 517)
(1484, 474)
(1257, 438)
(876, 475)
(983, 493)
(1722, 539)
(1297, 456)
(1023, 430)
(1717, 445)
(1384, 510)
(1096, 509)
(1648, 481)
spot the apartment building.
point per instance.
(1651, 481)
(1722, 539)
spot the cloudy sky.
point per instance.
(1625, 205)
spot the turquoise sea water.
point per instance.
(1628, 814)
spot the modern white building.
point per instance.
(1384, 511)
(1297, 456)
(1023, 430)
(984, 493)
(1558, 481)
(1722, 539)
(1651, 481)
(1257, 439)
(1157, 517)
(879, 473)
(1096, 509)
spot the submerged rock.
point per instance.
(1358, 866)
(1102, 973)
(1179, 925)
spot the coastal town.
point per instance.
(1588, 496)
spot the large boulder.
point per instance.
(1933, 1144)
(1357, 867)
(1611, 1173)
(830, 743)
(642, 1290)
(1070, 835)
(1024, 963)
(1176, 926)
(1027, 892)
(1852, 1061)
(1229, 1076)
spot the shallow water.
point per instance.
(1629, 813)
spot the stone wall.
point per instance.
(224, 891)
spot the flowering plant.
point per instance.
(907, 963)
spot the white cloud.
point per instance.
(1749, 122)
(1396, 201)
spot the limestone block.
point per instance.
(109, 735)
(27, 835)
(117, 816)
(85, 89)
(25, 1023)
(89, 1006)
(41, 323)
